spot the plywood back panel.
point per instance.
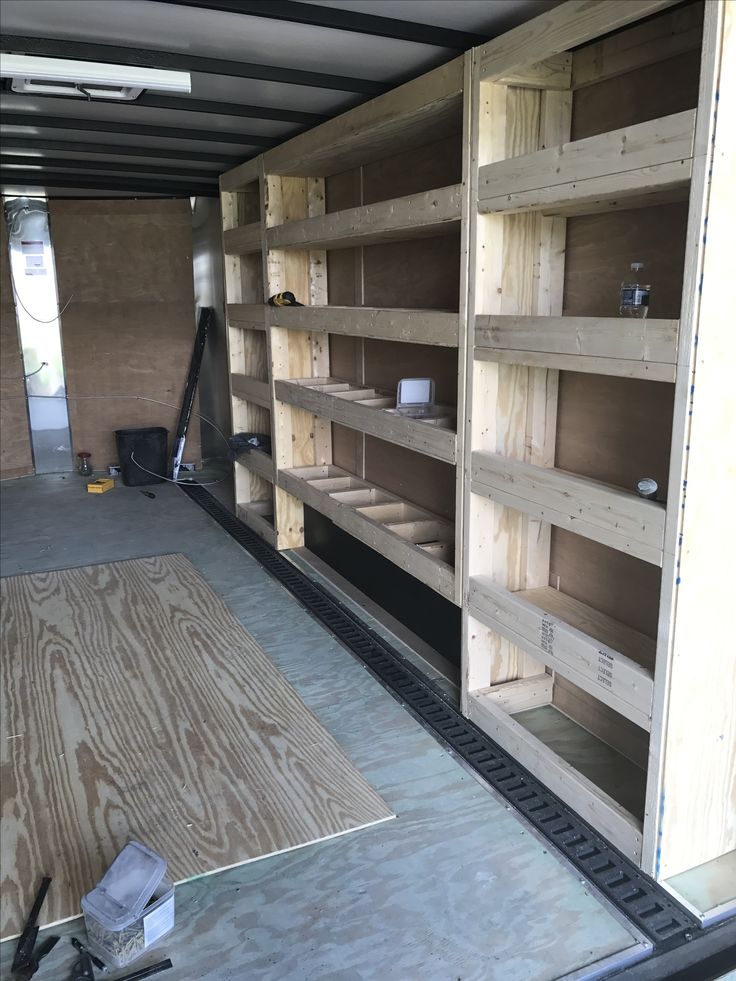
(15, 440)
(437, 165)
(130, 327)
(386, 362)
(657, 90)
(424, 273)
(614, 429)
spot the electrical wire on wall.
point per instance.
(143, 398)
(13, 231)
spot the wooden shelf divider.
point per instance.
(596, 173)
(609, 660)
(413, 216)
(369, 411)
(410, 537)
(607, 514)
(435, 327)
(620, 346)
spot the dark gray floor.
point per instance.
(455, 889)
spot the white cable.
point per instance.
(187, 480)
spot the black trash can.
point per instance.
(149, 448)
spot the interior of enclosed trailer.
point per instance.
(408, 669)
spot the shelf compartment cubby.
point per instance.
(606, 658)
(371, 411)
(435, 327)
(423, 215)
(605, 787)
(607, 514)
(380, 520)
(619, 168)
(621, 346)
(258, 516)
(243, 239)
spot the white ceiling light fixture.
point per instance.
(87, 79)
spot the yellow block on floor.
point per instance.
(100, 485)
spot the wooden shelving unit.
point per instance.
(474, 225)
(572, 642)
(319, 216)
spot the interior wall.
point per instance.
(16, 459)
(130, 325)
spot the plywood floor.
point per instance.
(135, 705)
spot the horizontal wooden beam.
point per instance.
(606, 514)
(674, 33)
(243, 240)
(259, 463)
(630, 348)
(521, 695)
(595, 806)
(254, 515)
(414, 216)
(370, 524)
(434, 327)
(414, 113)
(247, 316)
(552, 73)
(647, 157)
(571, 24)
(557, 630)
(441, 444)
(251, 389)
(241, 176)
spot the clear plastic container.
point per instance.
(634, 294)
(131, 908)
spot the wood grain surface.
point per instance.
(136, 706)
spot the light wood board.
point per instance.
(136, 706)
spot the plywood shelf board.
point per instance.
(603, 345)
(434, 327)
(371, 523)
(607, 514)
(567, 780)
(624, 162)
(243, 239)
(369, 410)
(605, 658)
(423, 215)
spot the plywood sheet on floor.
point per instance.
(136, 706)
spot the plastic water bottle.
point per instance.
(634, 294)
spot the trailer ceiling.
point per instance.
(262, 71)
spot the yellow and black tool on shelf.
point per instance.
(286, 299)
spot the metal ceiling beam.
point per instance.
(134, 129)
(184, 104)
(181, 61)
(112, 183)
(343, 20)
(69, 163)
(118, 150)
